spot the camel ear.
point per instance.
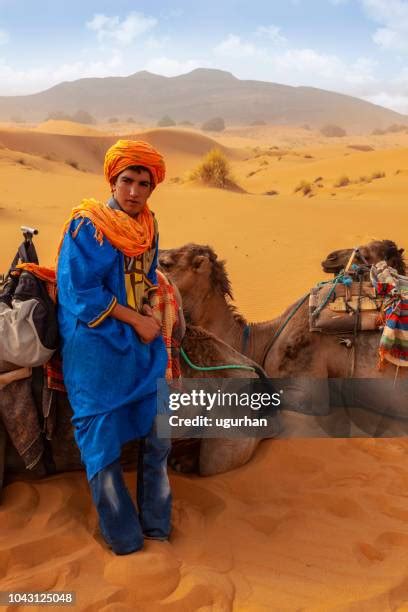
(199, 262)
(401, 251)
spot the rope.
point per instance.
(291, 314)
(345, 279)
(212, 368)
(340, 278)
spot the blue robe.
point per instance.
(110, 375)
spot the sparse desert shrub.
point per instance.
(216, 124)
(130, 120)
(318, 179)
(331, 130)
(306, 126)
(113, 120)
(304, 186)
(21, 161)
(308, 156)
(166, 121)
(357, 147)
(263, 162)
(396, 127)
(342, 181)
(377, 175)
(252, 173)
(82, 116)
(58, 116)
(72, 163)
(214, 170)
(186, 123)
(272, 192)
(258, 122)
(378, 132)
(176, 179)
(364, 179)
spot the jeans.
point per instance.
(121, 525)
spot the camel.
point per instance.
(373, 252)
(207, 456)
(284, 346)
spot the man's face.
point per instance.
(131, 190)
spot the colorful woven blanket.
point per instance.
(394, 339)
(166, 308)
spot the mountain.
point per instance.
(198, 96)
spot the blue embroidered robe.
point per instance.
(110, 375)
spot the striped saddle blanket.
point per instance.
(394, 288)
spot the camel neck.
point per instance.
(215, 315)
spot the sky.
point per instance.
(356, 47)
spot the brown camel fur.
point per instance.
(296, 352)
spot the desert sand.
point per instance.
(311, 525)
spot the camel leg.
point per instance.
(219, 455)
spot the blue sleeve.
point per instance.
(82, 266)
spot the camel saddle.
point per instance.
(345, 308)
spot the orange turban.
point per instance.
(127, 153)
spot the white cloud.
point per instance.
(397, 102)
(4, 37)
(308, 67)
(392, 15)
(121, 32)
(234, 47)
(21, 82)
(172, 67)
(272, 33)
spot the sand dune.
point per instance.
(181, 148)
(54, 126)
(307, 525)
(311, 525)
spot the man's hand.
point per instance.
(145, 325)
(147, 328)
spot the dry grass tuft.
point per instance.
(214, 170)
(377, 175)
(342, 181)
(304, 186)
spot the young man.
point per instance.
(112, 350)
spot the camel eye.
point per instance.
(165, 264)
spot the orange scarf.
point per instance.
(130, 236)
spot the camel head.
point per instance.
(197, 272)
(373, 252)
